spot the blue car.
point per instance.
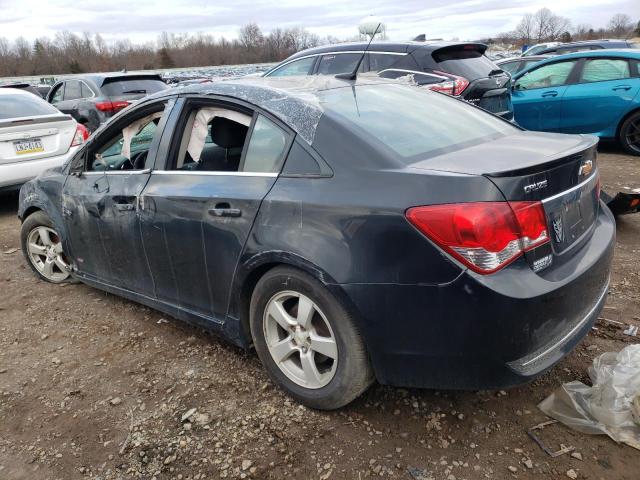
(594, 92)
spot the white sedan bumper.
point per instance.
(15, 174)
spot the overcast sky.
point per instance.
(143, 20)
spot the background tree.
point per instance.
(620, 25)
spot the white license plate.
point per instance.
(23, 147)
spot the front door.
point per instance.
(101, 201)
(537, 96)
(601, 97)
(201, 203)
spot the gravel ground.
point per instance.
(94, 386)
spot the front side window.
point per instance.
(266, 148)
(57, 95)
(72, 90)
(127, 148)
(297, 67)
(339, 63)
(552, 75)
(603, 69)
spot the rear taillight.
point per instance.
(112, 106)
(485, 236)
(80, 136)
(455, 86)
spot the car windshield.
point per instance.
(15, 106)
(412, 123)
(145, 86)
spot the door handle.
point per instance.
(224, 210)
(622, 87)
(552, 93)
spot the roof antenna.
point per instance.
(354, 75)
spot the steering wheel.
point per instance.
(135, 161)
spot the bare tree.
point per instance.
(620, 25)
(524, 30)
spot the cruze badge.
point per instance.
(535, 186)
(558, 230)
(585, 168)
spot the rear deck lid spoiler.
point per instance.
(17, 122)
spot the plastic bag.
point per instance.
(611, 406)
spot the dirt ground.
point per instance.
(94, 386)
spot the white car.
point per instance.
(34, 136)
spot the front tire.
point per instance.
(307, 340)
(42, 248)
(629, 136)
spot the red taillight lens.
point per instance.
(455, 86)
(117, 106)
(112, 106)
(80, 136)
(485, 236)
(104, 106)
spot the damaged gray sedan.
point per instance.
(348, 230)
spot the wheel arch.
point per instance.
(252, 270)
(635, 110)
(29, 211)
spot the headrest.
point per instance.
(226, 133)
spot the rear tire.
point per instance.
(42, 248)
(629, 136)
(293, 319)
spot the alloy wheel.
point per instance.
(633, 135)
(300, 339)
(45, 253)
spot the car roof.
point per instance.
(394, 47)
(605, 52)
(528, 58)
(295, 100)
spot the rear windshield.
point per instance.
(133, 86)
(15, 106)
(468, 63)
(412, 123)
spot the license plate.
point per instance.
(24, 147)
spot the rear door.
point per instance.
(602, 95)
(537, 95)
(198, 217)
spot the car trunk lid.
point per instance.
(558, 170)
(31, 138)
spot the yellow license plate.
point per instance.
(24, 147)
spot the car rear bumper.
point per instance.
(13, 175)
(490, 331)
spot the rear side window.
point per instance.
(603, 69)
(297, 67)
(86, 91)
(382, 61)
(511, 67)
(28, 105)
(411, 123)
(72, 90)
(266, 147)
(552, 75)
(339, 63)
(133, 86)
(469, 63)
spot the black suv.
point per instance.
(458, 69)
(91, 99)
